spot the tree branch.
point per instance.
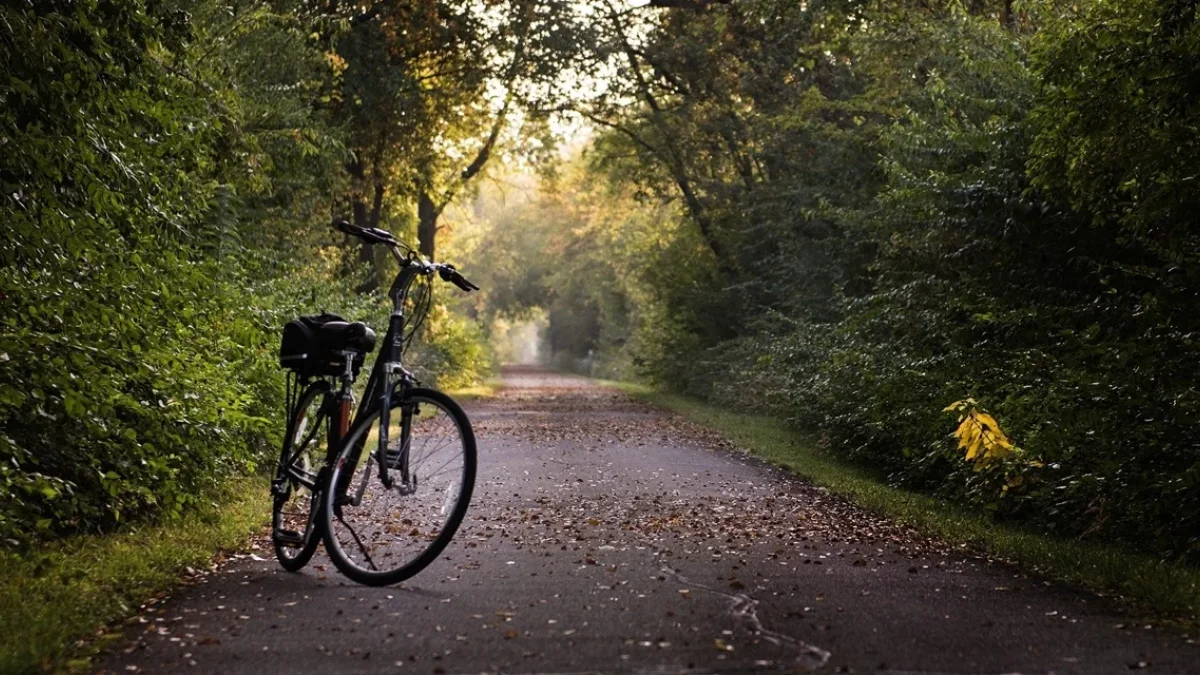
(685, 4)
(674, 158)
(615, 126)
(489, 144)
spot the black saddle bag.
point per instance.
(301, 349)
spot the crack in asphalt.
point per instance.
(745, 608)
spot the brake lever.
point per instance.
(460, 281)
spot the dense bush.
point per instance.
(991, 288)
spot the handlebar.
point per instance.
(374, 235)
(371, 235)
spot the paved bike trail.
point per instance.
(607, 536)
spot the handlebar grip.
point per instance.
(462, 283)
(378, 235)
(371, 235)
(448, 273)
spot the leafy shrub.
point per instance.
(453, 351)
(989, 288)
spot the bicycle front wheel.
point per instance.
(379, 534)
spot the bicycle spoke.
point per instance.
(442, 469)
(357, 540)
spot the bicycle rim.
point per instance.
(380, 535)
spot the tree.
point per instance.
(429, 92)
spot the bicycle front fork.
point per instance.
(396, 460)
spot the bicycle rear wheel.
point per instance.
(293, 517)
(379, 535)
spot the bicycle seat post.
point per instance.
(347, 376)
(346, 395)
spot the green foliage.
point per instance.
(879, 208)
(452, 353)
(1118, 122)
(989, 287)
(165, 184)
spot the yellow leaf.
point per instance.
(996, 451)
(965, 433)
(985, 420)
(976, 446)
(979, 435)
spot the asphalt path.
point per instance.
(607, 536)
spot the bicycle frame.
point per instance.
(388, 373)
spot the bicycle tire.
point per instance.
(292, 494)
(409, 532)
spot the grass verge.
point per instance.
(56, 594)
(1163, 589)
(486, 389)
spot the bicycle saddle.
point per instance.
(337, 336)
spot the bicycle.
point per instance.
(408, 449)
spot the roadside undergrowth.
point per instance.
(1166, 590)
(56, 599)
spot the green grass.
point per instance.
(1161, 589)
(57, 594)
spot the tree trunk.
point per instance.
(368, 218)
(427, 217)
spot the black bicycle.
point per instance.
(387, 488)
